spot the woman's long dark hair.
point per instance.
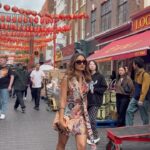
(94, 63)
(71, 68)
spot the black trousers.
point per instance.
(25, 91)
(19, 99)
(36, 96)
(122, 102)
(92, 111)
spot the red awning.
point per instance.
(129, 47)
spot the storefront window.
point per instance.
(93, 21)
(106, 9)
(122, 11)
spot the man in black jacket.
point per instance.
(20, 82)
(98, 86)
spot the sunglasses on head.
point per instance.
(79, 62)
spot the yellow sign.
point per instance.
(141, 22)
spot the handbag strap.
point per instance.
(86, 116)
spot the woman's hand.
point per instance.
(63, 125)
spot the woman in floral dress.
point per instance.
(73, 116)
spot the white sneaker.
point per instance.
(2, 116)
(97, 140)
(89, 142)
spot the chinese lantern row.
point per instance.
(23, 40)
(22, 34)
(25, 19)
(16, 56)
(15, 47)
(34, 29)
(51, 16)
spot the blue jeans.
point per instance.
(4, 97)
(133, 107)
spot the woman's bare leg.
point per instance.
(81, 142)
(62, 140)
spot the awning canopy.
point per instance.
(133, 46)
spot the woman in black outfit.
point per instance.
(98, 86)
(124, 89)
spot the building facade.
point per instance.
(109, 20)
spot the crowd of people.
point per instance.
(14, 81)
(81, 95)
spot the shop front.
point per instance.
(135, 44)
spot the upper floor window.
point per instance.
(93, 21)
(122, 11)
(106, 10)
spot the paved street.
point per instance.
(33, 131)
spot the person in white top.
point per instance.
(37, 77)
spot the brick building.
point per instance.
(110, 20)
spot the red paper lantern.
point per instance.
(31, 20)
(8, 18)
(14, 9)
(25, 19)
(14, 19)
(36, 20)
(2, 18)
(7, 7)
(28, 12)
(21, 11)
(20, 19)
(34, 13)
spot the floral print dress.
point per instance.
(74, 108)
(76, 114)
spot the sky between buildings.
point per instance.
(26, 4)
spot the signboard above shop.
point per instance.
(141, 20)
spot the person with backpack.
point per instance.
(141, 98)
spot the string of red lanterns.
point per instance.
(35, 29)
(23, 40)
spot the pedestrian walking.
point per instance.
(20, 82)
(97, 86)
(73, 116)
(25, 92)
(6, 81)
(37, 77)
(140, 97)
(124, 90)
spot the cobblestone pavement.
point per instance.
(33, 131)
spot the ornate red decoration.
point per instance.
(7, 7)
(14, 9)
